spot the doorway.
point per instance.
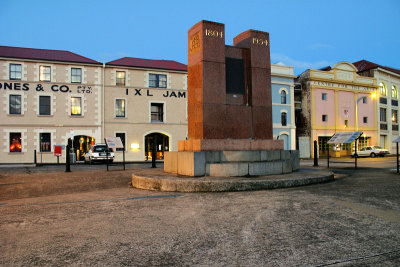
(285, 139)
(81, 145)
(162, 144)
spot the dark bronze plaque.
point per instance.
(234, 76)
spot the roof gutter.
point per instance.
(388, 72)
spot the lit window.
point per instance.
(45, 73)
(382, 114)
(120, 78)
(122, 136)
(76, 75)
(157, 114)
(394, 116)
(364, 99)
(382, 89)
(283, 97)
(15, 142)
(15, 72)
(15, 104)
(76, 106)
(45, 142)
(157, 81)
(324, 117)
(283, 118)
(324, 96)
(120, 108)
(394, 92)
(365, 119)
(44, 105)
(346, 123)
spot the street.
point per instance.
(102, 221)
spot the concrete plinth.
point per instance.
(231, 163)
(229, 144)
(156, 179)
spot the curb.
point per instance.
(159, 181)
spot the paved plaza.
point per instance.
(93, 217)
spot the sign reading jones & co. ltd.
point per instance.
(83, 89)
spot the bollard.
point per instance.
(328, 155)
(397, 156)
(355, 155)
(67, 159)
(154, 153)
(34, 157)
(315, 154)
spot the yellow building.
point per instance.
(145, 101)
(49, 96)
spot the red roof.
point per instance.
(363, 65)
(148, 63)
(43, 54)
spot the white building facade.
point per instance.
(388, 81)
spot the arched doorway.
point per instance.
(162, 144)
(82, 144)
(285, 139)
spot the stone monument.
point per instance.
(229, 108)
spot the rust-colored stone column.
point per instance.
(260, 98)
(229, 91)
(206, 81)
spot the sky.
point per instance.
(303, 34)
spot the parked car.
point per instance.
(98, 153)
(371, 151)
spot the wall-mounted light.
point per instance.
(134, 146)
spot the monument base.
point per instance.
(231, 163)
(229, 144)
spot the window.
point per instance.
(15, 142)
(382, 114)
(15, 72)
(76, 75)
(394, 92)
(157, 114)
(157, 80)
(45, 142)
(15, 104)
(44, 105)
(122, 136)
(120, 78)
(364, 100)
(283, 118)
(324, 117)
(394, 116)
(283, 97)
(365, 119)
(323, 144)
(45, 73)
(324, 96)
(382, 89)
(346, 123)
(120, 108)
(76, 106)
